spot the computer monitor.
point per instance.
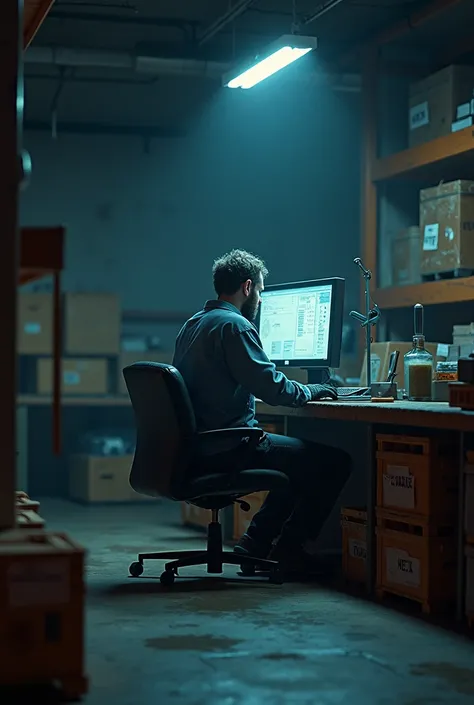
(300, 323)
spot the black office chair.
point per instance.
(168, 446)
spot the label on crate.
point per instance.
(401, 568)
(358, 549)
(419, 115)
(35, 582)
(430, 237)
(398, 487)
(32, 328)
(71, 378)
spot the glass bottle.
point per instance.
(418, 363)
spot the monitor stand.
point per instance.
(318, 375)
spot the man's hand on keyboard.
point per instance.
(322, 391)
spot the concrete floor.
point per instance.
(239, 644)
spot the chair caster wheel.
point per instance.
(276, 577)
(136, 569)
(247, 569)
(167, 578)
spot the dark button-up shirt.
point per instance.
(220, 356)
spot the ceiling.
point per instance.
(181, 27)
(92, 89)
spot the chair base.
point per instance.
(214, 557)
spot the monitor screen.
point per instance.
(301, 323)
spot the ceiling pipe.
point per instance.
(322, 10)
(150, 65)
(102, 17)
(97, 128)
(63, 57)
(230, 16)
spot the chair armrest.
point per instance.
(223, 440)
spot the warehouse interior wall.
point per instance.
(276, 172)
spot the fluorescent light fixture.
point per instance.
(277, 56)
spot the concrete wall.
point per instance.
(276, 171)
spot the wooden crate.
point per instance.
(461, 395)
(416, 560)
(469, 495)
(242, 519)
(418, 475)
(354, 544)
(42, 611)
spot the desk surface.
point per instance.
(400, 413)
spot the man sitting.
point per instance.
(219, 354)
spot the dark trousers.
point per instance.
(317, 473)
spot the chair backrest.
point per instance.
(165, 426)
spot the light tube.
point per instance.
(277, 61)
(284, 52)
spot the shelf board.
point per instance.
(440, 159)
(34, 12)
(445, 291)
(41, 253)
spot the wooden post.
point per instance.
(11, 117)
(369, 189)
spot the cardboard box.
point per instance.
(79, 376)
(35, 324)
(95, 478)
(406, 257)
(447, 227)
(92, 324)
(129, 357)
(42, 594)
(434, 100)
(380, 355)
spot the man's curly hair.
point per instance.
(234, 268)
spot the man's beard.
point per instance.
(250, 307)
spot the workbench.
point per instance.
(353, 425)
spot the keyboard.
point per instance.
(353, 392)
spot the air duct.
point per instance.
(165, 66)
(151, 65)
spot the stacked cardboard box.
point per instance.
(90, 345)
(463, 342)
(417, 499)
(354, 544)
(447, 226)
(435, 101)
(406, 257)
(102, 479)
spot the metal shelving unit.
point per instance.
(446, 158)
(20, 21)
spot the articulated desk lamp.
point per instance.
(372, 315)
